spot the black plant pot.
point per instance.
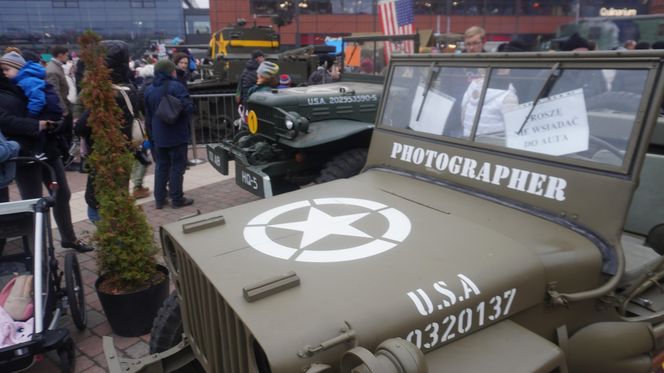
(131, 314)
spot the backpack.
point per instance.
(52, 107)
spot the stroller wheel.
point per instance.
(75, 291)
(67, 356)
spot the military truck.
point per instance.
(507, 220)
(293, 137)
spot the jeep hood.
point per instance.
(391, 256)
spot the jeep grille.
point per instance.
(220, 340)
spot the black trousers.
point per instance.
(31, 177)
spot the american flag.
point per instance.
(397, 18)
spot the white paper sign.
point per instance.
(557, 126)
(435, 111)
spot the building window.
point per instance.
(142, 3)
(547, 7)
(265, 7)
(432, 7)
(271, 7)
(65, 3)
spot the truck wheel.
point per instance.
(167, 331)
(344, 165)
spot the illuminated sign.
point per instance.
(614, 12)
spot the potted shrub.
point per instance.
(131, 286)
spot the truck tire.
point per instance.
(344, 165)
(167, 331)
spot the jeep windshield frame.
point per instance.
(568, 94)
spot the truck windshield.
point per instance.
(577, 113)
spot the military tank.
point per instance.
(230, 49)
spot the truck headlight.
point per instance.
(295, 121)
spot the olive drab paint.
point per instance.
(449, 244)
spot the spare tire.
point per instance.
(344, 165)
(167, 329)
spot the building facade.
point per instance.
(61, 21)
(501, 18)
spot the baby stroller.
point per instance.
(30, 220)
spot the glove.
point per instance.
(54, 126)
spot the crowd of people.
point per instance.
(40, 110)
(40, 113)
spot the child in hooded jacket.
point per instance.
(43, 101)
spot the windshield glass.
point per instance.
(576, 113)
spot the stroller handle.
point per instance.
(52, 185)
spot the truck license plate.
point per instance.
(254, 182)
(218, 157)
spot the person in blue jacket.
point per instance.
(170, 140)
(43, 101)
(8, 149)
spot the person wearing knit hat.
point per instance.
(267, 74)
(284, 81)
(248, 77)
(267, 70)
(170, 138)
(12, 59)
(29, 76)
(165, 66)
(44, 104)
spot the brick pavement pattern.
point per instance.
(89, 354)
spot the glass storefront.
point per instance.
(39, 20)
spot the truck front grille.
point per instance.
(221, 342)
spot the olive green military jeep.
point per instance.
(296, 136)
(507, 220)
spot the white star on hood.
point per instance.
(320, 225)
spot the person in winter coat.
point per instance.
(139, 168)
(170, 140)
(181, 61)
(117, 59)
(55, 74)
(267, 74)
(248, 77)
(43, 101)
(327, 72)
(29, 76)
(8, 149)
(15, 124)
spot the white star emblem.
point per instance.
(320, 225)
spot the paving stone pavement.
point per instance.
(89, 353)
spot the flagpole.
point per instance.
(297, 24)
(374, 4)
(449, 19)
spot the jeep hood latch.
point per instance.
(347, 336)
